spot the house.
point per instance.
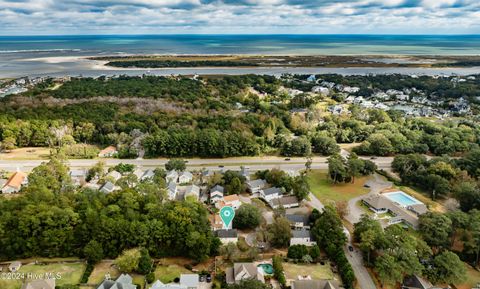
(216, 222)
(108, 152)
(388, 202)
(190, 281)
(302, 237)
(298, 221)
(172, 190)
(216, 194)
(172, 176)
(321, 90)
(232, 201)
(185, 177)
(256, 185)
(15, 183)
(148, 175)
(114, 175)
(271, 193)
(14, 266)
(193, 191)
(244, 172)
(138, 173)
(227, 236)
(416, 282)
(285, 202)
(315, 284)
(243, 271)
(39, 284)
(122, 282)
(311, 78)
(78, 177)
(107, 188)
(187, 281)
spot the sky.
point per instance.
(62, 17)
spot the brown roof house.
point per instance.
(108, 152)
(243, 271)
(15, 183)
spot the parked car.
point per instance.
(209, 278)
(350, 248)
(202, 278)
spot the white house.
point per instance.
(216, 194)
(15, 183)
(148, 175)
(271, 193)
(114, 175)
(286, 202)
(302, 237)
(172, 190)
(172, 176)
(78, 177)
(185, 177)
(193, 191)
(256, 185)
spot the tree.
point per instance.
(301, 187)
(388, 270)
(336, 169)
(279, 233)
(128, 261)
(176, 164)
(314, 252)
(297, 251)
(235, 186)
(355, 166)
(468, 195)
(447, 268)
(93, 252)
(145, 264)
(435, 229)
(278, 270)
(367, 242)
(230, 251)
(247, 217)
(324, 145)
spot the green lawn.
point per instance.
(473, 278)
(166, 274)
(316, 271)
(326, 191)
(70, 274)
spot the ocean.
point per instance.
(57, 55)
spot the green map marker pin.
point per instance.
(227, 214)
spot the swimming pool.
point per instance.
(267, 268)
(402, 199)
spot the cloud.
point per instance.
(238, 16)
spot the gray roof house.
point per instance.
(315, 284)
(256, 185)
(271, 193)
(227, 236)
(285, 201)
(243, 271)
(122, 282)
(298, 221)
(216, 194)
(416, 282)
(189, 280)
(107, 188)
(172, 190)
(78, 177)
(147, 175)
(302, 237)
(40, 284)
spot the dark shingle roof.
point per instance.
(227, 233)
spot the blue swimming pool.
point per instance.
(267, 268)
(402, 199)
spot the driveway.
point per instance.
(355, 258)
(377, 184)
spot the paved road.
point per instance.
(355, 258)
(253, 163)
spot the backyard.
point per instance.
(326, 191)
(315, 271)
(70, 273)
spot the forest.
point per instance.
(226, 116)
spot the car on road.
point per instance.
(287, 159)
(350, 248)
(366, 186)
(373, 158)
(221, 166)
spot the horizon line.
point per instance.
(243, 34)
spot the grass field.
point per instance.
(316, 271)
(326, 191)
(26, 154)
(70, 274)
(166, 274)
(100, 270)
(473, 278)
